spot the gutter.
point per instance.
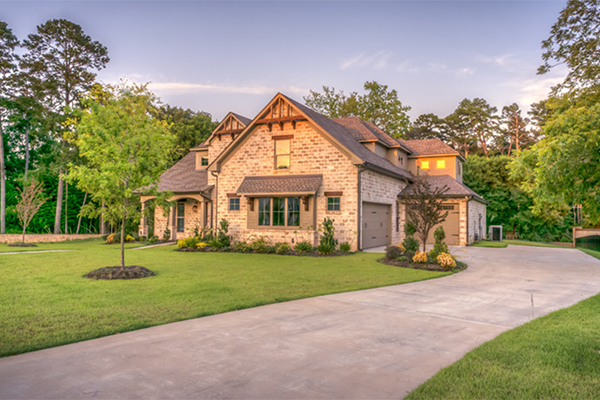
(214, 204)
(387, 172)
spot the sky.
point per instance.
(220, 56)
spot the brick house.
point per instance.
(280, 174)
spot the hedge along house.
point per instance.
(280, 174)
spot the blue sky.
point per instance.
(236, 55)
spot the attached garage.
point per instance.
(451, 225)
(376, 225)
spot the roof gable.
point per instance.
(428, 147)
(233, 124)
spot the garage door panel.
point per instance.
(376, 225)
(451, 225)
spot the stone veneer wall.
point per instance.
(311, 153)
(477, 210)
(192, 218)
(382, 189)
(44, 238)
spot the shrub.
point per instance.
(271, 249)
(401, 258)
(103, 237)
(303, 247)
(129, 238)
(110, 239)
(393, 252)
(326, 248)
(215, 243)
(201, 245)
(439, 235)
(439, 247)
(242, 247)
(222, 233)
(260, 245)
(345, 247)
(153, 239)
(328, 239)
(411, 244)
(188, 243)
(166, 235)
(420, 257)
(143, 239)
(282, 248)
(446, 261)
(409, 229)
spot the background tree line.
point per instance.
(43, 79)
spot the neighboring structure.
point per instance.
(280, 174)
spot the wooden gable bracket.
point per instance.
(305, 202)
(250, 202)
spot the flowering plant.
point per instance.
(446, 261)
(420, 257)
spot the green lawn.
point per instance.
(78, 244)
(553, 357)
(592, 253)
(505, 243)
(45, 301)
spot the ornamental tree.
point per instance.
(30, 201)
(124, 150)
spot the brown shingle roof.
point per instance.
(362, 130)
(242, 119)
(455, 188)
(426, 147)
(183, 177)
(280, 184)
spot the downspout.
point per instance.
(214, 208)
(467, 220)
(361, 168)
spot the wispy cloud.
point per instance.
(464, 71)
(533, 90)
(406, 66)
(501, 60)
(376, 61)
(437, 66)
(187, 87)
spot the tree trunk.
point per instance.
(66, 205)
(102, 223)
(26, 151)
(123, 239)
(59, 198)
(2, 184)
(79, 222)
(24, 229)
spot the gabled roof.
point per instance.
(183, 177)
(362, 130)
(243, 122)
(428, 147)
(455, 188)
(241, 118)
(280, 184)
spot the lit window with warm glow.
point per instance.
(441, 164)
(424, 164)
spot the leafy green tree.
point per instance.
(8, 67)
(575, 42)
(473, 121)
(378, 105)
(190, 128)
(125, 150)
(428, 126)
(563, 169)
(538, 115)
(60, 61)
(514, 130)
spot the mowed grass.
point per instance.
(553, 357)
(78, 244)
(505, 243)
(45, 301)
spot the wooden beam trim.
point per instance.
(282, 137)
(280, 120)
(229, 132)
(333, 194)
(233, 195)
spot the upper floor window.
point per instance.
(282, 154)
(204, 161)
(424, 164)
(441, 164)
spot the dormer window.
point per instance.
(282, 154)
(424, 164)
(441, 164)
(204, 161)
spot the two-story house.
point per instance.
(280, 174)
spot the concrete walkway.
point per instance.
(378, 343)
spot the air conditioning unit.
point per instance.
(495, 234)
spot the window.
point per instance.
(424, 164)
(333, 204)
(285, 211)
(234, 204)
(282, 154)
(204, 161)
(441, 164)
(180, 217)
(264, 212)
(278, 211)
(293, 211)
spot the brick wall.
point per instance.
(311, 153)
(477, 221)
(33, 238)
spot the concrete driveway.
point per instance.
(377, 343)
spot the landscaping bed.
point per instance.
(127, 272)
(460, 266)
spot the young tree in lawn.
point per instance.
(32, 198)
(423, 205)
(60, 61)
(8, 67)
(124, 150)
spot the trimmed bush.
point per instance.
(393, 252)
(282, 248)
(242, 247)
(303, 247)
(188, 243)
(411, 244)
(260, 245)
(345, 247)
(326, 248)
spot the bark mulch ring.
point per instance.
(129, 272)
(460, 266)
(22, 245)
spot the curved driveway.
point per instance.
(377, 343)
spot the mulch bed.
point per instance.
(313, 253)
(22, 245)
(129, 272)
(460, 266)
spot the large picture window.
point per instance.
(264, 212)
(282, 154)
(279, 211)
(180, 217)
